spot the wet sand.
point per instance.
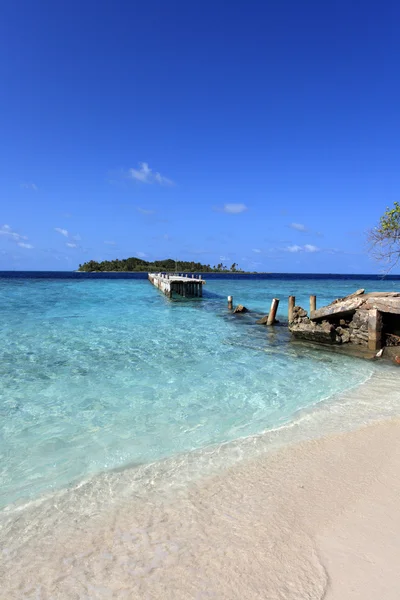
(317, 519)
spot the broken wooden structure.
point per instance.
(369, 320)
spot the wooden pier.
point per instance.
(186, 286)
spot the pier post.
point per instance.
(313, 304)
(374, 329)
(292, 302)
(272, 312)
(230, 302)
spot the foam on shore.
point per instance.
(278, 515)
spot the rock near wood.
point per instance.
(240, 309)
(262, 321)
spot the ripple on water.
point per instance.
(98, 374)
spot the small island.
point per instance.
(138, 265)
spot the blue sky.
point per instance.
(262, 133)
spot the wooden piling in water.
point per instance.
(313, 304)
(272, 312)
(291, 304)
(230, 302)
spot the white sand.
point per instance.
(315, 520)
(306, 518)
(360, 549)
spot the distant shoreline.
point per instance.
(189, 272)
(279, 274)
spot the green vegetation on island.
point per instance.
(134, 264)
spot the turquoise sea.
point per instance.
(103, 373)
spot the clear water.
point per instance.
(98, 374)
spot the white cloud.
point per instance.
(30, 186)
(257, 250)
(67, 234)
(146, 175)
(234, 209)
(298, 226)
(305, 248)
(143, 174)
(162, 180)
(141, 254)
(110, 243)
(10, 234)
(63, 232)
(13, 236)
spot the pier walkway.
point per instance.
(186, 286)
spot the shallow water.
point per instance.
(227, 521)
(102, 374)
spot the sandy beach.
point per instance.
(315, 519)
